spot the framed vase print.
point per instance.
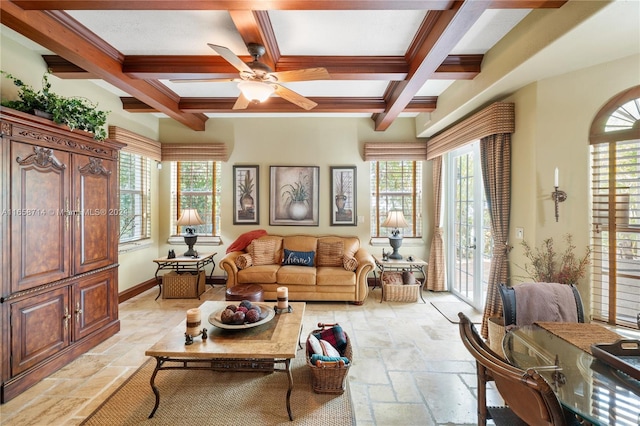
(294, 195)
(246, 209)
(343, 196)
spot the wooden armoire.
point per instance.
(58, 247)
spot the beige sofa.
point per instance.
(331, 268)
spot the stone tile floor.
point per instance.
(410, 367)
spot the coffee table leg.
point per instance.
(287, 363)
(154, 388)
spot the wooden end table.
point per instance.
(404, 264)
(184, 264)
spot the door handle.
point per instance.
(472, 247)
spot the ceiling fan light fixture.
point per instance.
(256, 91)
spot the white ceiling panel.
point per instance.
(160, 32)
(345, 33)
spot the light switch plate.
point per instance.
(520, 233)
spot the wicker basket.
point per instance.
(401, 292)
(496, 330)
(185, 285)
(329, 377)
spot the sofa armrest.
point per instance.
(365, 265)
(228, 263)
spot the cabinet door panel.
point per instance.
(39, 224)
(39, 328)
(93, 304)
(95, 197)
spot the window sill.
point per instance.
(133, 246)
(203, 240)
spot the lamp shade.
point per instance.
(190, 217)
(395, 219)
(256, 91)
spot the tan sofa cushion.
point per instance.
(334, 275)
(293, 274)
(258, 274)
(351, 244)
(300, 243)
(262, 252)
(330, 253)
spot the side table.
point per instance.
(184, 264)
(400, 265)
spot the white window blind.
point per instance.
(197, 185)
(396, 185)
(135, 199)
(616, 231)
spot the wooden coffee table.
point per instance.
(259, 348)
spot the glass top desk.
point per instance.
(585, 385)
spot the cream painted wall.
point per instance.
(29, 66)
(553, 118)
(265, 142)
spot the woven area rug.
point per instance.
(223, 398)
(450, 311)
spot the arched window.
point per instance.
(615, 188)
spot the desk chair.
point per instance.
(529, 398)
(508, 297)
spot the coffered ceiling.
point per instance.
(386, 58)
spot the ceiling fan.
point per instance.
(258, 81)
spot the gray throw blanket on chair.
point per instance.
(549, 302)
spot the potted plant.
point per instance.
(75, 112)
(546, 266)
(296, 197)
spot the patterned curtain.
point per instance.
(495, 153)
(435, 274)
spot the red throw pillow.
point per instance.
(245, 239)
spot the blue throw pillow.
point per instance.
(300, 258)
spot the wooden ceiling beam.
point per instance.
(59, 33)
(255, 26)
(454, 67)
(276, 104)
(440, 32)
(272, 4)
(234, 4)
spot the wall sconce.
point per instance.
(557, 195)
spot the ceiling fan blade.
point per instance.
(295, 98)
(306, 74)
(205, 80)
(231, 57)
(241, 102)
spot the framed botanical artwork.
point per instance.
(294, 195)
(343, 196)
(246, 205)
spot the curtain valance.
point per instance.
(390, 151)
(194, 152)
(495, 119)
(136, 144)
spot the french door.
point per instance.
(468, 238)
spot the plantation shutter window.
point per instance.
(615, 188)
(196, 185)
(135, 197)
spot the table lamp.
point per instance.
(395, 219)
(188, 218)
